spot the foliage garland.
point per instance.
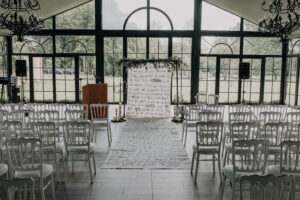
(138, 63)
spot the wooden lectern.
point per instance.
(93, 94)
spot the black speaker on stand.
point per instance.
(244, 73)
(21, 71)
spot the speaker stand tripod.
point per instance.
(23, 92)
(243, 100)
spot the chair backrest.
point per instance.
(77, 106)
(46, 131)
(275, 133)
(46, 116)
(99, 111)
(249, 156)
(216, 108)
(25, 154)
(210, 116)
(289, 157)
(237, 108)
(61, 108)
(201, 98)
(10, 106)
(257, 109)
(258, 187)
(294, 119)
(77, 115)
(23, 116)
(213, 99)
(244, 131)
(37, 106)
(11, 129)
(279, 108)
(3, 115)
(209, 133)
(16, 185)
(266, 117)
(239, 117)
(77, 134)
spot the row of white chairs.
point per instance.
(26, 155)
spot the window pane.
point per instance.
(272, 80)
(181, 12)
(75, 44)
(158, 21)
(182, 49)
(33, 44)
(291, 81)
(214, 18)
(3, 57)
(113, 52)
(82, 17)
(249, 26)
(262, 46)
(87, 69)
(65, 79)
(207, 75)
(158, 48)
(136, 47)
(48, 23)
(115, 12)
(220, 45)
(43, 81)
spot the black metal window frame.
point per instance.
(195, 34)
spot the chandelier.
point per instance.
(283, 19)
(18, 17)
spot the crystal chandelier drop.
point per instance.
(283, 19)
(17, 17)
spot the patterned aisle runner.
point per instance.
(148, 144)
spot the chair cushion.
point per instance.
(3, 168)
(275, 170)
(81, 148)
(206, 149)
(47, 170)
(228, 172)
(59, 148)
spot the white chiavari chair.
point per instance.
(257, 109)
(279, 108)
(18, 187)
(77, 106)
(3, 115)
(190, 120)
(216, 108)
(289, 160)
(268, 117)
(100, 119)
(275, 133)
(26, 161)
(46, 131)
(265, 187)
(77, 115)
(77, 138)
(239, 131)
(293, 118)
(208, 142)
(249, 157)
(213, 99)
(201, 98)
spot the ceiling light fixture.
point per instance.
(18, 17)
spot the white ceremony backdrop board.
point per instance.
(148, 92)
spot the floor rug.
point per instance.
(148, 144)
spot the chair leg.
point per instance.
(193, 158)
(197, 165)
(90, 168)
(94, 161)
(52, 188)
(223, 187)
(42, 188)
(183, 127)
(64, 167)
(214, 167)
(185, 136)
(219, 164)
(73, 157)
(108, 137)
(225, 157)
(233, 188)
(56, 168)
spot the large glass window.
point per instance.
(214, 18)
(182, 21)
(207, 75)
(262, 46)
(220, 45)
(113, 52)
(33, 44)
(82, 17)
(116, 11)
(75, 44)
